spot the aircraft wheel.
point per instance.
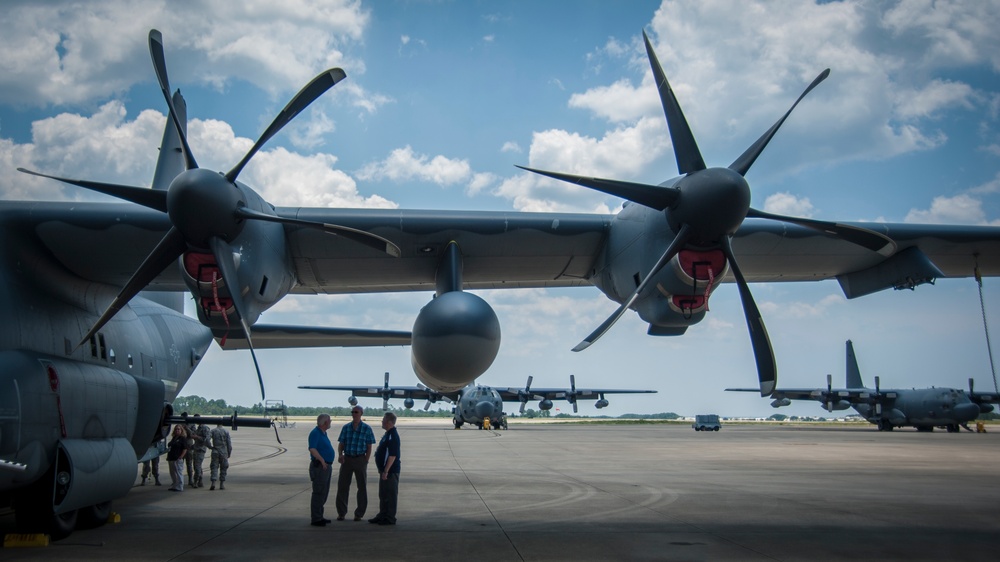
(953, 428)
(94, 516)
(41, 519)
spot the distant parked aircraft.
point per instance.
(475, 403)
(923, 408)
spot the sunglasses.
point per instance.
(355, 412)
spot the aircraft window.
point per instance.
(263, 286)
(111, 354)
(102, 346)
(129, 360)
(93, 346)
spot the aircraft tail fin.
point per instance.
(170, 163)
(171, 159)
(853, 372)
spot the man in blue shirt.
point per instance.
(387, 462)
(321, 453)
(355, 448)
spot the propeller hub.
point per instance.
(201, 204)
(713, 202)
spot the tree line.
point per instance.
(198, 405)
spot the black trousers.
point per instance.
(388, 491)
(321, 488)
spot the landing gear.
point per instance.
(458, 424)
(925, 428)
(953, 428)
(36, 516)
(94, 516)
(884, 425)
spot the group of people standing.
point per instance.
(353, 453)
(187, 447)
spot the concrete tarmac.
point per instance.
(584, 492)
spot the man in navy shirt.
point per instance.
(355, 447)
(387, 462)
(322, 455)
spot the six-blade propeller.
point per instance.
(207, 209)
(708, 205)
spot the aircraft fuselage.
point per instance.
(923, 408)
(85, 414)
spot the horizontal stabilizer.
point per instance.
(283, 337)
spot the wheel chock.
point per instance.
(14, 540)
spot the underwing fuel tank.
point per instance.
(456, 337)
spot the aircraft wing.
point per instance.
(511, 394)
(516, 250)
(415, 392)
(852, 395)
(282, 337)
(499, 249)
(984, 397)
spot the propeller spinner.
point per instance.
(207, 209)
(705, 207)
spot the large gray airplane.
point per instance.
(475, 403)
(922, 408)
(94, 346)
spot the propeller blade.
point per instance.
(223, 253)
(160, 66)
(742, 164)
(360, 236)
(863, 237)
(527, 387)
(574, 407)
(679, 241)
(151, 198)
(652, 196)
(385, 385)
(767, 370)
(166, 252)
(385, 404)
(427, 406)
(685, 148)
(523, 403)
(971, 382)
(313, 90)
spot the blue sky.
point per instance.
(443, 98)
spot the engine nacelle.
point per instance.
(779, 402)
(352, 400)
(836, 405)
(408, 403)
(683, 289)
(456, 337)
(985, 408)
(545, 404)
(602, 403)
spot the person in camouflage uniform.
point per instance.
(189, 457)
(222, 447)
(202, 436)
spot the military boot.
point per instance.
(157, 478)
(213, 486)
(222, 485)
(143, 481)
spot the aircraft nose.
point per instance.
(484, 409)
(966, 412)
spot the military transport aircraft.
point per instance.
(476, 403)
(89, 362)
(922, 408)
